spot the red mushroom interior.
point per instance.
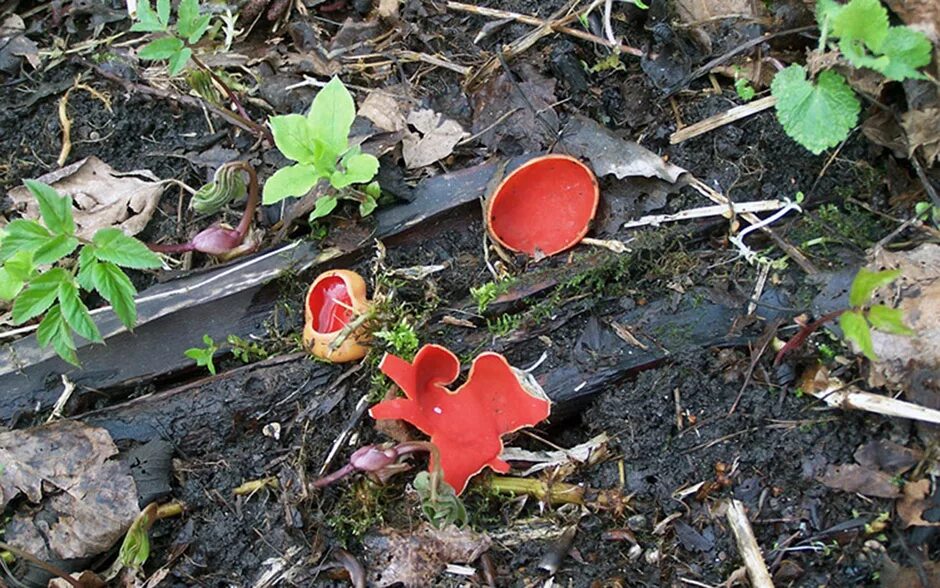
(545, 205)
(330, 305)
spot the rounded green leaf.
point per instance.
(292, 137)
(359, 169)
(905, 50)
(294, 180)
(817, 116)
(866, 282)
(865, 20)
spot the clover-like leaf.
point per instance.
(887, 319)
(855, 328)
(866, 282)
(817, 116)
(294, 180)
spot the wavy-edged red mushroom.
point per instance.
(544, 206)
(333, 301)
(467, 424)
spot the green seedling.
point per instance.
(442, 508)
(857, 321)
(42, 277)
(174, 47)
(485, 294)
(927, 212)
(744, 89)
(245, 351)
(203, 356)
(819, 110)
(319, 144)
(402, 338)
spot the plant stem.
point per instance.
(252, 204)
(556, 493)
(797, 340)
(258, 129)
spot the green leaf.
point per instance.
(86, 263)
(54, 249)
(855, 328)
(816, 116)
(865, 284)
(9, 285)
(147, 19)
(906, 50)
(367, 206)
(53, 329)
(115, 287)
(863, 20)
(23, 235)
(324, 206)
(111, 244)
(187, 12)
(292, 135)
(179, 60)
(360, 168)
(56, 210)
(203, 357)
(294, 180)
(826, 9)
(163, 11)
(38, 295)
(887, 319)
(331, 116)
(162, 48)
(20, 266)
(855, 51)
(76, 313)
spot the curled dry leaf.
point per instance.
(416, 558)
(101, 196)
(87, 500)
(914, 502)
(855, 478)
(923, 133)
(435, 139)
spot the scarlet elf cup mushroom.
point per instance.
(544, 206)
(333, 301)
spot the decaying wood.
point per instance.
(747, 545)
(719, 120)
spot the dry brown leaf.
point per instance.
(700, 12)
(913, 503)
(923, 132)
(435, 139)
(15, 46)
(504, 112)
(101, 196)
(887, 456)
(388, 9)
(385, 110)
(416, 559)
(85, 501)
(920, 15)
(855, 478)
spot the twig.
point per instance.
(719, 120)
(747, 545)
(837, 395)
(704, 212)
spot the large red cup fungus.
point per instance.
(544, 206)
(333, 300)
(467, 424)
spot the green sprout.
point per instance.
(856, 322)
(203, 356)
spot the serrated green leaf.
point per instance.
(816, 116)
(294, 180)
(56, 210)
(115, 287)
(331, 116)
(863, 20)
(38, 295)
(887, 319)
(855, 329)
(53, 329)
(292, 135)
(162, 48)
(324, 206)
(147, 19)
(9, 285)
(86, 260)
(21, 266)
(826, 9)
(199, 29)
(54, 249)
(855, 51)
(111, 244)
(865, 284)
(23, 235)
(187, 12)
(905, 50)
(360, 168)
(76, 313)
(179, 60)
(163, 11)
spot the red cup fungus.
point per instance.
(333, 300)
(466, 425)
(544, 206)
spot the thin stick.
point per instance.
(704, 212)
(747, 546)
(719, 120)
(852, 399)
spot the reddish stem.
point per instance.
(797, 340)
(259, 129)
(242, 228)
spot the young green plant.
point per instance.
(42, 278)
(819, 113)
(203, 356)
(319, 144)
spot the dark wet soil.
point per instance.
(670, 427)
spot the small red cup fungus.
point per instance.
(333, 300)
(544, 206)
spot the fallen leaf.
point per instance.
(415, 559)
(15, 46)
(923, 132)
(855, 478)
(609, 154)
(466, 425)
(914, 502)
(388, 9)
(82, 502)
(895, 576)
(434, 140)
(504, 112)
(385, 110)
(920, 15)
(887, 456)
(101, 196)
